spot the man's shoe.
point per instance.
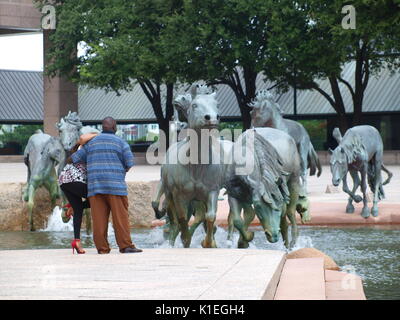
(131, 250)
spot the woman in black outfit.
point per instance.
(73, 183)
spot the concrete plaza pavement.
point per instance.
(155, 274)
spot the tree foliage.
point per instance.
(160, 43)
(315, 46)
(19, 136)
(122, 46)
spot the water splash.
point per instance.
(303, 242)
(55, 223)
(155, 239)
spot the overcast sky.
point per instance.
(22, 52)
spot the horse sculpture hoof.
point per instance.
(305, 217)
(350, 209)
(357, 198)
(205, 244)
(242, 244)
(365, 213)
(374, 212)
(250, 236)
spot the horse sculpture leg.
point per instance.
(235, 210)
(209, 241)
(31, 196)
(181, 207)
(171, 228)
(199, 211)
(365, 210)
(284, 230)
(303, 208)
(294, 189)
(303, 152)
(377, 183)
(231, 226)
(52, 186)
(248, 215)
(88, 221)
(356, 184)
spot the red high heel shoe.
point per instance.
(74, 246)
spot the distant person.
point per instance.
(108, 158)
(73, 183)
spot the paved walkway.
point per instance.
(155, 274)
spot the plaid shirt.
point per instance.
(107, 158)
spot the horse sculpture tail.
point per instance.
(372, 178)
(313, 161)
(390, 175)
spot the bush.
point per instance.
(19, 136)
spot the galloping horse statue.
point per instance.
(272, 187)
(193, 186)
(41, 155)
(359, 150)
(267, 113)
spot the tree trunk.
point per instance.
(343, 122)
(244, 95)
(153, 93)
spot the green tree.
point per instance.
(123, 46)
(222, 42)
(309, 44)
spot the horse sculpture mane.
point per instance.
(73, 118)
(354, 149)
(268, 170)
(262, 98)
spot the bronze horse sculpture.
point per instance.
(267, 113)
(271, 190)
(360, 150)
(41, 155)
(193, 187)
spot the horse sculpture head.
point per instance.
(339, 165)
(339, 161)
(54, 150)
(200, 108)
(69, 127)
(264, 110)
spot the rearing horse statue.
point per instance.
(359, 150)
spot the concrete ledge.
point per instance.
(332, 213)
(302, 279)
(174, 274)
(11, 159)
(14, 212)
